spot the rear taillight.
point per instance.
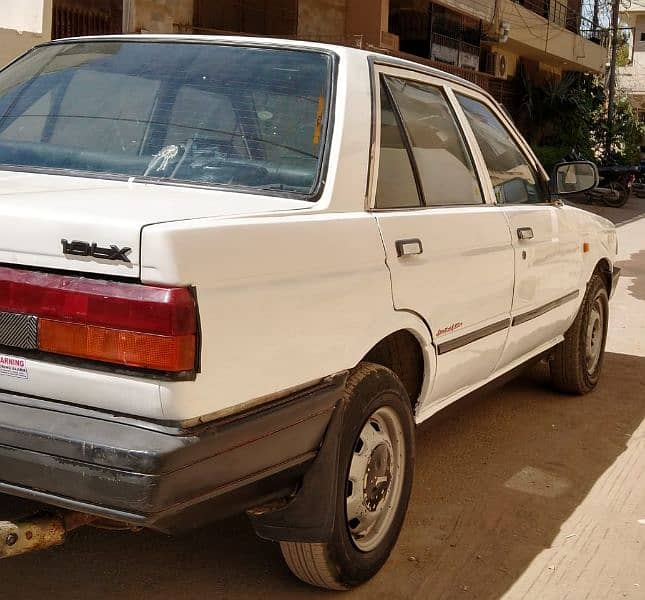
(128, 324)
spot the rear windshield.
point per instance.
(201, 113)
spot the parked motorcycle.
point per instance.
(616, 182)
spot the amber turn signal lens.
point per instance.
(129, 348)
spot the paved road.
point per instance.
(519, 493)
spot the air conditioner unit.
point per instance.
(498, 65)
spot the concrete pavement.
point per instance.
(599, 551)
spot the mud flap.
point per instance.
(310, 516)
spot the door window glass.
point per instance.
(396, 186)
(445, 168)
(514, 180)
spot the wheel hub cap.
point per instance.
(595, 334)
(377, 478)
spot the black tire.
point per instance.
(619, 197)
(339, 564)
(574, 369)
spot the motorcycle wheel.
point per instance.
(618, 197)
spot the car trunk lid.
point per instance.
(39, 211)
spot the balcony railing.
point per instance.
(561, 14)
(70, 21)
(448, 50)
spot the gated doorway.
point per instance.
(72, 18)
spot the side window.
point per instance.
(514, 180)
(396, 185)
(444, 164)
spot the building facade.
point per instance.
(23, 24)
(632, 77)
(485, 41)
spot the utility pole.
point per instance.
(612, 77)
(595, 19)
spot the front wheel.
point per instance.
(376, 468)
(577, 362)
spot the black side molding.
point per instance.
(473, 337)
(538, 312)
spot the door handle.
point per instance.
(409, 247)
(525, 233)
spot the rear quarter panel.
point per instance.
(283, 301)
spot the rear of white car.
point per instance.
(109, 390)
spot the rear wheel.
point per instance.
(577, 362)
(377, 461)
(618, 196)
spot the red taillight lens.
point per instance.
(124, 323)
(165, 311)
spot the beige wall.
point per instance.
(14, 43)
(481, 9)
(321, 19)
(639, 25)
(157, 16)
(367, 18)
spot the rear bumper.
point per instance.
(147, 474)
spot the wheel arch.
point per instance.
(408, 351)
(604, 269)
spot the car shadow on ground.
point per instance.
(497, 475)
(634, 268)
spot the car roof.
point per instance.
(277, 43)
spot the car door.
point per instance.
(447, 246)
(547, 255)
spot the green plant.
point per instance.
(623, 51)
(627, 134)
(550, 155)
(571, 112)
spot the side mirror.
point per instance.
(574, 178)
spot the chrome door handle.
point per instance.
(525, 233)
(409, 247)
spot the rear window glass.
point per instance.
(202, 113)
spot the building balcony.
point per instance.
(550, 31)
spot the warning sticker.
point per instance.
(13, 366)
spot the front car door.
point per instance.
(447, 246)
(547, 257)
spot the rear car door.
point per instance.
(447, 246)
(547, 257)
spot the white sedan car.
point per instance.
(235, 273)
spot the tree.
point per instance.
(571, 112)
(623, 57)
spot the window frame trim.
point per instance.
(407, 142)
(383, 69)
